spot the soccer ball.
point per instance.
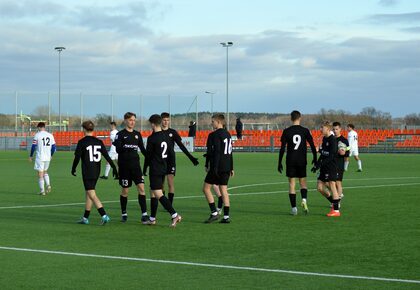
(342, 148)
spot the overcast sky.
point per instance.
(287, 55)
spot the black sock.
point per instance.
(330, 198)
(171, 197)
(220, 202)
(292, 198)
(335, 204)
(164, 201)
(123, 203)
(226, 210)
(212, 207)
(142, 203)
(304, 193)
(101, 211)
(154, 203)
(87, 213)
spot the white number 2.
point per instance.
(297, 140)
(228, 146)
(164, 145)
(94, 153)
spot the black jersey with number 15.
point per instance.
(90, 150)
(219, 151)
(296, 137)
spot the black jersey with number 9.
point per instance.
(296, 137)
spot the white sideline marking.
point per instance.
(242, 268)
(200, 196)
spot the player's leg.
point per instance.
(47, 177)
(210, 200)
(156, 185)
(346, 163)
(359, 163)
(335, 211)
(154, 204)
(219, 197)
(94, 198)
(292, 195)
(142, 202)
(322, 188)
(41, 182)
(304, 194)
(171, 187)
(226, 203)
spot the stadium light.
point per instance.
(212, 94)
(59, 49)
(227, 45)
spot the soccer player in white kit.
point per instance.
(44, 145)
(112, 151)
(354, 148)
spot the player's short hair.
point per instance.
(165, 115)
(219, 117)
(337, 124)
(295, 115)
(155, 119)
(327, 124)
(113, 124)
(128, 115)
(350, 126)
(88, 125)
(41, 125)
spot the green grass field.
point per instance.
(377, 235)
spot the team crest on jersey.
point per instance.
(170, 134)
(137, 137)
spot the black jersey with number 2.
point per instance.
(90, 150)
(219, 151)
(295, 138)
(158, 153)
(175, 138)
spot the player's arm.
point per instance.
(118, 143)
(217, 151)
(310, 140)
(77, 155)
(347, 154)
(53, 146)
(178, 141)
(141, 146)
(209, 146)
(33, 148)
(147, 156)
(281, 153)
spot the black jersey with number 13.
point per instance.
(296, 137)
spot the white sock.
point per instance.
(107, 169)
(41, 184)
(346, 165)
(47, 179)
(174, 215)
(359, 163)
(225, 217)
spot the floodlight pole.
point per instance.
(227, 45)
(196, 113)
(49, 109)
(59, 49)
(141, 113)
(81, 110)
(16, 112)
(112, 108)
(212, 94)
(169, 105)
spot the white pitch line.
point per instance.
(200, 196)
(308, 181)
(241, 268)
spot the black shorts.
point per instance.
(171, 169)
(220, 179)
(90, 184)
(340, 175)
(328, 174)
(130, 175)
(298, 171)
(156, 182)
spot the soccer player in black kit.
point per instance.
(90, 149)
(295, 138)
(157, 155)
(219, 167)
(343, 152)
(327, 164)
(174, 138)
(127, 143)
